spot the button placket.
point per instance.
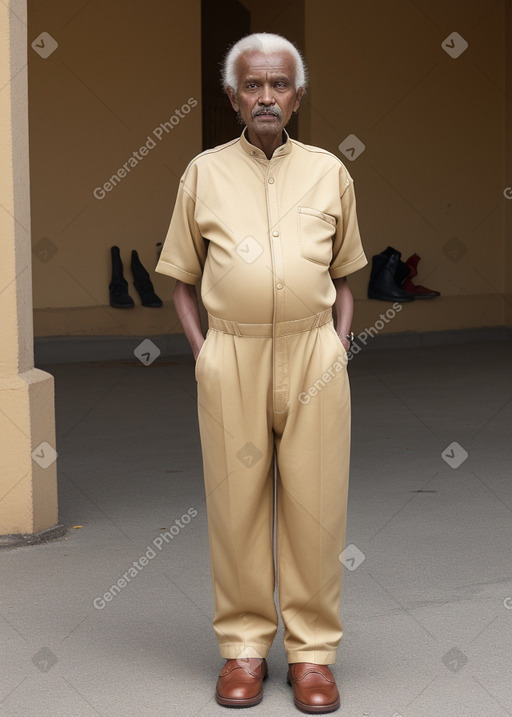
(280, 367)
(275, 239)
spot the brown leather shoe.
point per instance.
(314, 688)
(240, 682)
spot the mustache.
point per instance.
(267, 111)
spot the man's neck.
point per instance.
(267, 143)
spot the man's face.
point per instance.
(266, 95)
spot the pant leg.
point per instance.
(313, 445)
(234, 389)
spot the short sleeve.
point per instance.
(348, 254)
(184, 250)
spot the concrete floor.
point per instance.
(427, 614)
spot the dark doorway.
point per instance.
(223, 22)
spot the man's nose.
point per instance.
(266, 96)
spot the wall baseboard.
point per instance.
(73, 349)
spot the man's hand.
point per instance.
(345, 342)
(196, 352)
(185, 301)
(344, 310)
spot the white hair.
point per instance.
(267, 43)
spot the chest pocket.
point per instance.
(316, 231)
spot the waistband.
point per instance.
(283, 328)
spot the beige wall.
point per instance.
(120, 70)
(508, 165)
(433, 170)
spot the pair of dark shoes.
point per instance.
(391, 278)
(118, 287)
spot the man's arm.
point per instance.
(343, 310)
(185, 301)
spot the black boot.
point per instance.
(118, 287)
(383, 283)
(403, 271)
(143, 284)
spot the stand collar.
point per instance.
(258, 153)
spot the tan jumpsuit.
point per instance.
(272, 382)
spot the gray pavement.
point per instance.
(427, 594)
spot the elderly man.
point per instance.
(269, 225)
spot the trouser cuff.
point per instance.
(317, 657)
(236, 650)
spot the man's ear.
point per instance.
(232, 98)
(300, 93)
